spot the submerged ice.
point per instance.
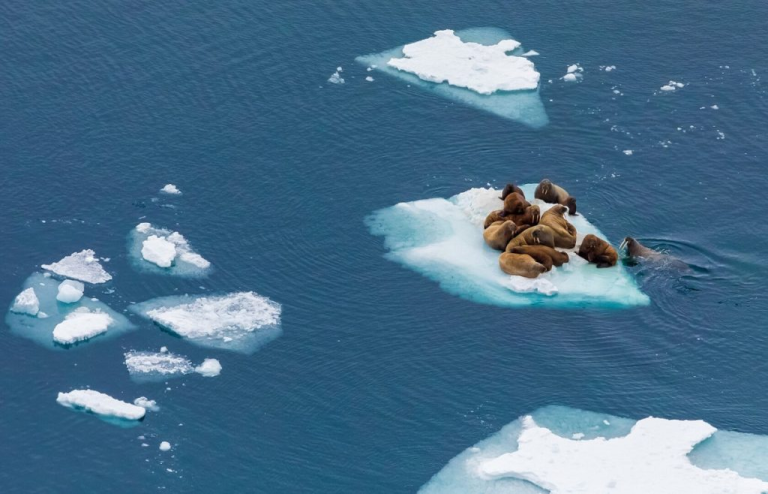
(83, 266)
(566, 451)
(241, 321)
(64, 317)
(159, 250)
(442, 239)
(483, 68)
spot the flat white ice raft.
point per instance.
(80, 325)
(442, 239)
(241, 321)
(163, 251)
(158, 366)
(480, 67)
(566, 451)
(83, 266)
(100, 404)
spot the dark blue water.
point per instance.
(380, 377)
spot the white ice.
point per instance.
(70, 291)
(573, 73)
(171, 189)
(83, 266)
(485, 69)
(54, 312)
(100, 404)
(156, 365)
(209, 368)
(336, 77)
(146, 403)
(162, 251)
(158, 250)
(80, 325)
(165, 446)
(442, 239)
(524, 106)
(628, 152)
(240, 321)
(26, 303)
(530, 53)
(566, 451)
(672, 86)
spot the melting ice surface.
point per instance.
(442, 239)
(524, 106)
(100, 404)
(83, 266)
(162, 251)
(566, 451)
(242, 321)
(159, 366)
(75, 321)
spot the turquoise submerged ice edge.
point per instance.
(442, 239)
(525, 107)
(740, 452)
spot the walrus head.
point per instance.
(535, 214)
(627, 243)
(559, 210)
(546, 186)
(542, 236)
(509, 228)
(510, 188)
(571, 203)
(514, 203)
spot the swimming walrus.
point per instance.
(520, 265)
(636, 250)
(544, 255)
(498, 234)
(510, 188)
(535, 235)
(554, 194)
(598, 251)
(565, 233)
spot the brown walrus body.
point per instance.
(530, 217)
(637, 250)
(554, 194)
(498, 234)
(520, 265)
(565, 233)
(510, 188)
(544, 255)
(536, 235)
(598, 251)
(515, 203)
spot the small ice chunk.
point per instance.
(26, 303)
(171, 189)
(165, 446)
(143, 227)
(164, 349)
(83, 266)
(628, 152)
(158, 250)
(146, 403)
(530, 53)
(573, 68)
(156, 366)
(610, 68)
(715, 107)
(100, 404)
(209, 368)
(70, 291)
(672, 86)
(484, 69)
(667, 87)
(80, 325)
(369, 79)
(570, 77)
(336, 77)
(195, 259)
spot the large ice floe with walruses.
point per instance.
(531, 248)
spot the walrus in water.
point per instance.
(598, 251)
(536, 235)
(498, 234)
(565, 233)
(510, 188)
(636, 250)
(544, 255)
(554, 194)
(520, 265)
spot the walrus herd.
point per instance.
(529, 240)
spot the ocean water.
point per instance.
(379, 377)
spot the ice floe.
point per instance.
(81, 324)
(60, 323)
(165, 446)
(163, 251)
(573, 73)
(83, 266)
(672, 86)
(241, 321)
(100, 404)
(336, 77)
(566, 451)
(146, 403)
(26, 303)
(530, 53)
(171, 189)
(466, 82)
(442, 239)
(70, 291)
(209, 368)
(482, 68)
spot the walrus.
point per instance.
(554, 194)
(498, 234)
(520, 265)
(536, 235)
(544, 255)
(528, 218)
(510, 188)
(514, 203)
(565, 233)
(637, 250)
(598, 251)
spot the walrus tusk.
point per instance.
(623, 244)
